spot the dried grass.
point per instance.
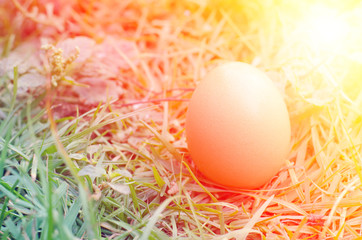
(317, 195)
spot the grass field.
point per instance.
(93, 97)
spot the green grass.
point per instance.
(40, 198)
(119, 193)
(36, 202)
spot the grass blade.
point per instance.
(153, 219)
(72, 213)
(4, 150)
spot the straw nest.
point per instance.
(156, 52)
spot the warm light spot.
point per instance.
(326, 28)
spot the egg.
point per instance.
(237, 127)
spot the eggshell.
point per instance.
(237, 126)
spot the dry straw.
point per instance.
(317, 195)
